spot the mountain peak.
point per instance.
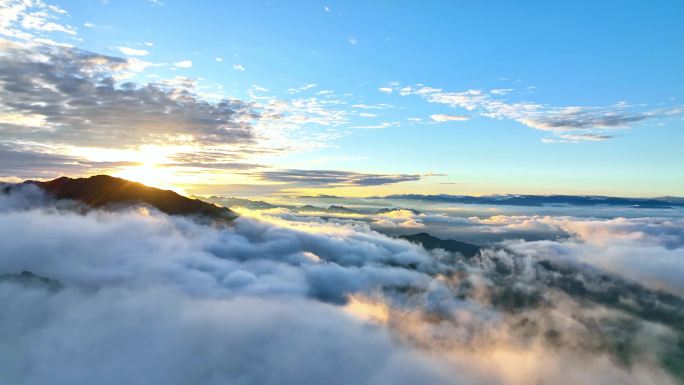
(106, 190)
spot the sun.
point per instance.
(151, 168)
(148, 174)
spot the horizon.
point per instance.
(284, 195)
(471, 100)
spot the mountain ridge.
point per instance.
(541, 200)
(104, 190)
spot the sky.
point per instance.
(347, 98)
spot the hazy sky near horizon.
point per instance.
(348, 98)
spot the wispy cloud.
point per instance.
(567, 121)
(238, 67)
(333, 178)
(379, 125)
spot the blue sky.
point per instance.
(394, 97)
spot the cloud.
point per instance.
(577, 138)
(238, 67)
(28, 163)
(302, 88)
(292, 300)
(387, 90)
(332, 178)
(220, 60)
(132, 51)
(449, 118)
(648, 251)
(353, 40)
(183, 64)
(30, 20)
(379, 125)
(68, 96)
(569, 121)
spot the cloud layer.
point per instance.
(282, 298)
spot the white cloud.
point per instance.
(387, 90)
(238, 67)
(132, 51)
(23, 19)
(183, 64)
(220, 60)
(353, 40)
(449, 118)
(301, 300)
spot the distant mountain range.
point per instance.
(542, 200)
(104, 190)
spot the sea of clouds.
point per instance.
(134, 296)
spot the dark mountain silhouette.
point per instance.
(430, 242)
(330, 209)
(247, 203)
(29, 279)
(389, 210)
(104, 190)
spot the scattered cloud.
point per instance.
(379, 125)
(380, 106)
(352, 40)
(29, 20)
(302, 88)
(183, 64)
(220, 60)
(133, 51)
(561, 121)
(238, 67)
(449, 118)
